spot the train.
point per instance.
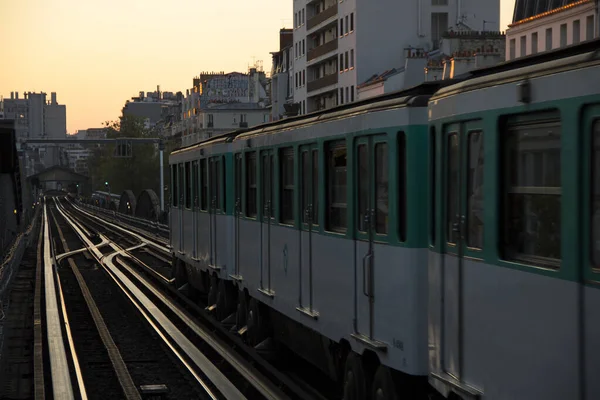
(436, 242)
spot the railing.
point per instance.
(322, 16)
(322, 49)
(327, 80)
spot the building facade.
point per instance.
(341, 43)
(36, 118)
(282, 94)
(548, 25)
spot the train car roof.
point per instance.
(567, 58)
(416, 96)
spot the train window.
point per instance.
(188, 185)
(595, 193)
(174, 185)
(287, 185)
(238, 183)
(475, 191)
(336, 187)
(195, 184)
(223, 183)
(251, 184)
(452, 204)
(432, 189)
(381, 188)
(315, 187)
(181, 184)
(204, 185)
(401, 187)
(267, 185)
(532, 193)
(363, 186)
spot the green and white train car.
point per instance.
(514, 284)
(311, 231)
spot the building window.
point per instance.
(243, 118)
(531, 162)
(287, 185)
(352, 22)
(304, 106)
(534, 43)
(439, 25)
(341, 27)
(475, 191)
(589, 27)
(512, 49)
(346, 63)
(336, 187)
(351, 58)
(251, 185)
(303, 77)
(347, 94)
(439, 2)
(576, 31)
(303, 46)
(563, 35)
(296, 75)
(341, 95)
(548, 39)
(341, 63)
(303, 16)
(352, 93)
(523, 44)
(347, 24)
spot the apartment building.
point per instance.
(341, 43)
(544, 25)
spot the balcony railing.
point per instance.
(322, 16)
(322, 49)
(320, 83)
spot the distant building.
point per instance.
(341, 44)
(221, 102)
(155, 107)
(544, 25)
(282, 88)
(37, 118)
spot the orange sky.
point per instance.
(97, 54)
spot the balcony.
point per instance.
(322, 17)
(322, 49)
(320, 83)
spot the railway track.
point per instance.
(116, 333)
(283, 368)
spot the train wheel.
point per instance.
(354, 378)
(256, 324)
(383, 385)
(242, 311)
(225, 301)
(213, 291)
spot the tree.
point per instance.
(137, 173)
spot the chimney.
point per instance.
(53, 97)
(17, 95)
(12, 95)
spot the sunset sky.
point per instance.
(98, 54)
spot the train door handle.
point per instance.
(369, 257)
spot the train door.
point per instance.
(237, 212)
(371, 155)
(215, 178)
(267, 196)
(309, 185)
(463, 227)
